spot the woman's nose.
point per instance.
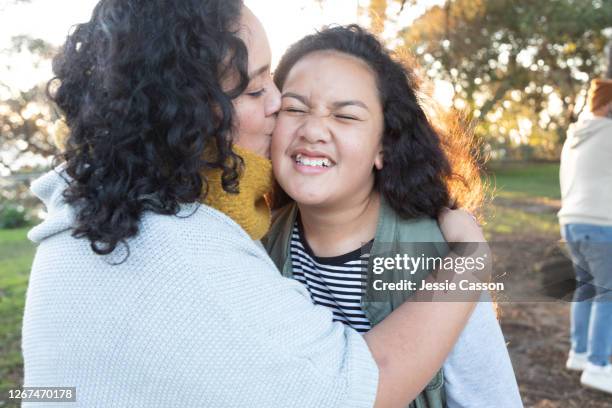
(273, 101)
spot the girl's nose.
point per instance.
(313, 130)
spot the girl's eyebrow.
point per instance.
(300, 98)
(336, 105)
(341, 104)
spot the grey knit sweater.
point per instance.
(196, 316)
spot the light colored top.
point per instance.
(586, 173)
(197, 316)
(478, 372)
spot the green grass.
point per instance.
(505, 221)
(531, 180)
(16, 254)
(519, 184)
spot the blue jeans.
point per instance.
(591, 321)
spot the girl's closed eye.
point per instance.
(346, 117)
(293, 109)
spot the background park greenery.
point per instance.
(16, 254)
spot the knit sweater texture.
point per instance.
(196, 315)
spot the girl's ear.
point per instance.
(378, 161)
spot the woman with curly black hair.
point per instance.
(140, 295)
(355, 150)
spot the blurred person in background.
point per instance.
(586, 225)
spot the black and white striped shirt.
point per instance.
(334, 282)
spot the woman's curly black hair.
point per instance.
(140, 87)
(426, 167)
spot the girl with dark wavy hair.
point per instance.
(355, 151)
(149, 287)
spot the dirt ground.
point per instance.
(538, 332)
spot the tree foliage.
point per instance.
(531, 59)
(29, 125)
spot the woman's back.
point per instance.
(196, 315)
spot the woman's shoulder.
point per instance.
(195, 228)
(195, 218)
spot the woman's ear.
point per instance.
(378, 161)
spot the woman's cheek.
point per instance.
(249, 120)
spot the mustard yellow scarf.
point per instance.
(249, 207)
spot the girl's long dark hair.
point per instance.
(140, 87)
(426, 167)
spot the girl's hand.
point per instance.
(459, 226)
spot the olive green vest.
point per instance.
(391, 233)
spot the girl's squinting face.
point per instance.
(256, 107)
(328, 135)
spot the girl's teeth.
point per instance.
(300, 159)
